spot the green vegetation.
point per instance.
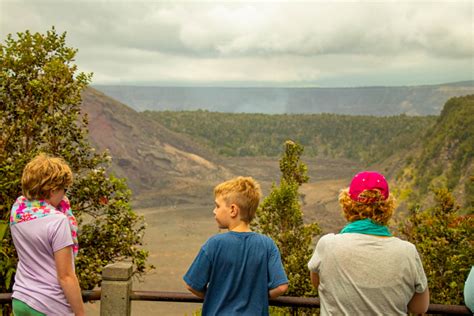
(280, 217)
(447, 153)
(444, 241)
(364, 138)
(440, 149)
(40, 98)
(440, 158)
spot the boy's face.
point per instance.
(222, 212)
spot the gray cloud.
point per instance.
(258, 42)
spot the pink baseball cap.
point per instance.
(368, 180)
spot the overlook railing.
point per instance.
(116, 296)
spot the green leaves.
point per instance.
(3, 229)
(7, 257)
(40, 111)
(280, 217)
(293, 171)
(446, 159)
(364, 138)
(444, 241)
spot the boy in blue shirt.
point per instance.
(238, 271)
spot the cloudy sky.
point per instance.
(324, 43)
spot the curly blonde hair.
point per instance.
(245, 192)
(371, 205)
(44, 174)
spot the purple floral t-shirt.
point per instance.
(36, 242)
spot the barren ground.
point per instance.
(175, 233)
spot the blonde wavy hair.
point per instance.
(373, 206)
(44, 174)
(245, 192)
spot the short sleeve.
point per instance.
(421, 283)
(276, 272)
(315, 261)
(469, 290)
(199, 272)
(60, 233)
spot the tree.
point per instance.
(444, 241)
(40, 111)
(280, 217)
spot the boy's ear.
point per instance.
(234, 210)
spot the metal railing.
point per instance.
(283, 301)
(116, 295)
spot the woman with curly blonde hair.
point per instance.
(44, 233)
(364, 270)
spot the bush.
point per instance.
(444, 241)
(280, 217)
(40, 98)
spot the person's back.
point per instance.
(364, 270)
(44, 232)
(238, 271)
(365, 274)
(237, 268)
(37, 284)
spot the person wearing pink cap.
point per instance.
(364, 270)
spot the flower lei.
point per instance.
(24, 210)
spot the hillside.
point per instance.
(163, 167)
(380, 101)
(166, 168)
(366, 139)
(176, 157)
(157, 163)
(422, 150)
(445, 156)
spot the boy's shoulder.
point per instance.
(232, 236)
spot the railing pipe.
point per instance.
(161, 296)
(93, 295)
(448, 309)
(116, 295)
(283, 301)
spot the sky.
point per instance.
(258, 43)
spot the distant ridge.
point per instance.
(169, 157)
(380, 101)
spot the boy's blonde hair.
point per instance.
(244, 192)
(380, 210)
(44, 174)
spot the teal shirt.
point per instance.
(366, 226)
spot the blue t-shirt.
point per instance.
(238, 270)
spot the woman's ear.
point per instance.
(50, 193)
